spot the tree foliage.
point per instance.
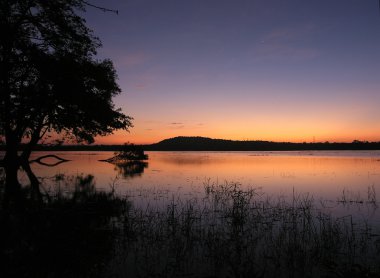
(50, 79)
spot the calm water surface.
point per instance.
(323, 174)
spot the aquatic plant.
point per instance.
(229, 231)
(237, 232)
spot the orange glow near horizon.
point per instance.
(287, 133)
(263, 74)
(281, 119)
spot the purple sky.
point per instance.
(277, 70)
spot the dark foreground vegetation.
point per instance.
(227, 232)
(69, 234)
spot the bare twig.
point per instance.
(101, 8)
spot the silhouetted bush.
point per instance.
(128, 152)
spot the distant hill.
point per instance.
(208, 144)
(182, 143)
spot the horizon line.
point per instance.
(246, 140)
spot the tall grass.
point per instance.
(229, 231)
(236, 232)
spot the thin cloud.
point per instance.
(275, 51)
(286, 43)
(152, 122)
(285, 34)
(133, 59)
(140, 86)
(176, 125)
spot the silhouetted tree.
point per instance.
(50, 80)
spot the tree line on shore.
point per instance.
(209, 144)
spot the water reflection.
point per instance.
(130, 169)
(322, 174)
(70, 233)
(189, 159)
(181, 201)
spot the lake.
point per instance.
(305, 207)
(324, 174)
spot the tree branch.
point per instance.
(101, 8)
(39, 160)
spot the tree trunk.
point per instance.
(11, 166)
(35, 192)
(24, 158)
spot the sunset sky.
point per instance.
(280, 70)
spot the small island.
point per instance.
(128, 153)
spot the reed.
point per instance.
(228, 231)
(236, 232)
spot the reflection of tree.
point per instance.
(2, 183)
(129, 161)
(131, 169)
(71, 234)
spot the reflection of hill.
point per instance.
(208, 144)
(188, 160)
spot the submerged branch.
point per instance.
(40, 159)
